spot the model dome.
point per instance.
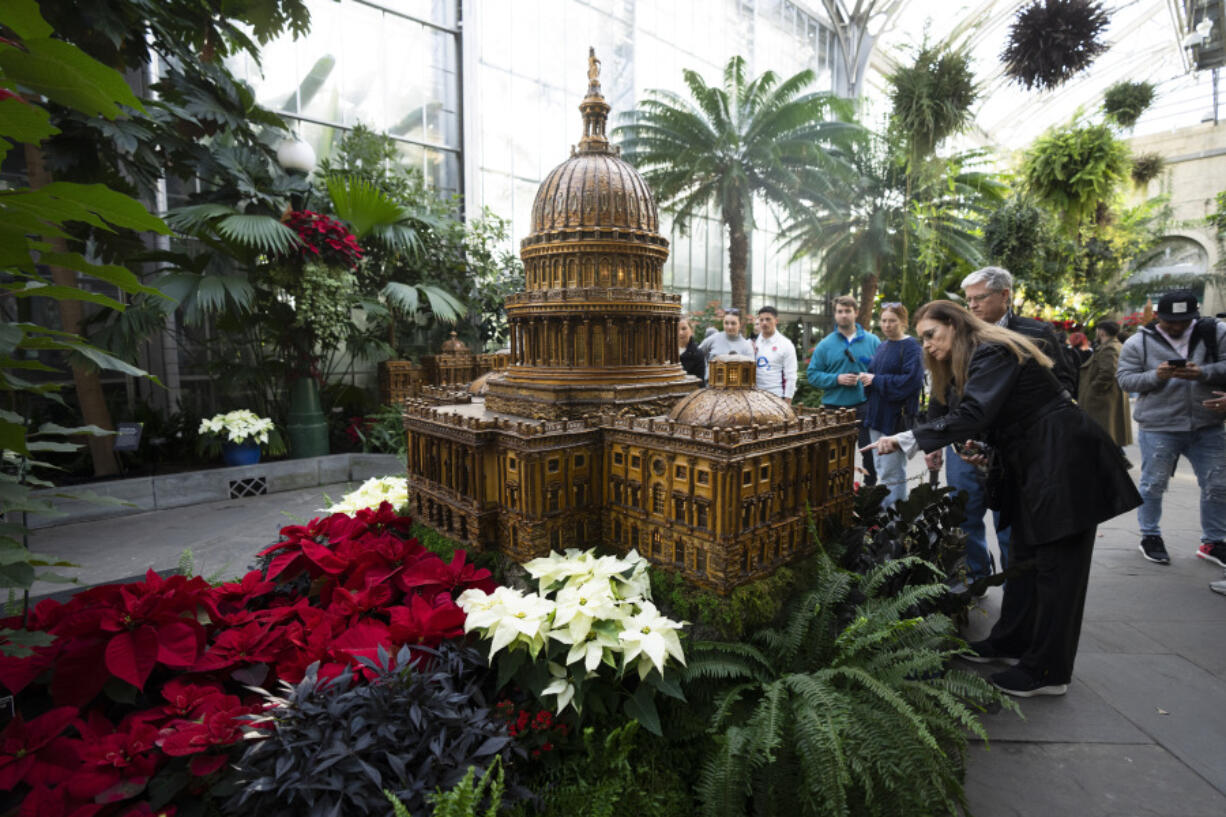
(731, 400)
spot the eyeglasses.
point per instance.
(978, 299)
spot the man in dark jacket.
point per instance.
(989, 296)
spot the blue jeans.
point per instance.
(1205, 448)
(966, 477)
(891, 471)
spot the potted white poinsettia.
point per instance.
(371, 494)
(591, 630)
(239, 436)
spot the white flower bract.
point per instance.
(372, 493)
(238, 426)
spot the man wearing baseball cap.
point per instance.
(1173, 364)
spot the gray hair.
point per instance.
(997, 279)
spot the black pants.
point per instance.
(1040, 617)
(870, 468)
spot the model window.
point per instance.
(702, 477)
(552, 465)
(679, 553)
(553, 498)
(747, 476)
(510, 463)
(618, 459)
(700, 561)
(679, 509)
(657, 500)
(635, 461)
(764, 473)
(700, 512)
(617, 530)
(680, 472)
(580, 460)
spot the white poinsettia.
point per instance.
(651, 635)
(507, 617)
(600, 644)
(560, 685)
(578, 607)
(372, 493)
(238, 426)
(558, 568)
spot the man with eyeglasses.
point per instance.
(989, 296)
(836, 366)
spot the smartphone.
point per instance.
(1178, 362)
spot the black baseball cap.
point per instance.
(1179, 305)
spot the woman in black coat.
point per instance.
(1053, 473)
(692, 359)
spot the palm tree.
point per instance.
(728, 145)
(859, 227)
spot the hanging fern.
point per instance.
(1124, 102)
(931, 99)
(848, 708)
(1051, 40)
(1074, 168)
(1146, 168)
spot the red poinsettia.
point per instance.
(324, 239)
(36, 752)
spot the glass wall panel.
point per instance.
(528, 59)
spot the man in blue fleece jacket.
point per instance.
(836, 366)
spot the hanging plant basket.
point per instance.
(1124, 102)
(1052, 40)
(1146, 168)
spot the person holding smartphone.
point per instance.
(1172, 364)
(994, 391)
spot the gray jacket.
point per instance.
(1173, 405)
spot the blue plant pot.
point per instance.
(245, 453)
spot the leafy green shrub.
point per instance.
(727, 617)
(1074, 168)
(335, 746)
(383, 432)
(627, 772)
(848, 708)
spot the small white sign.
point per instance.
(1178, 308)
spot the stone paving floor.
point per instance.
(1142, 730)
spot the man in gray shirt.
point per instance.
(728, 342)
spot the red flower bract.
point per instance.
(334, 590)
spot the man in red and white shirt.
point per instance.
(776, 356)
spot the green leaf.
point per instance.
(24, 122)
(113, 274)
(20, 575)
(10, 336)
(360, 203)
(642, 707)
(263, 233)
(13, 437)
(31, 289)
(24, 18)
(47, 445)
(91, 430)
(115, 207)
(67, 75)
(105, 361)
